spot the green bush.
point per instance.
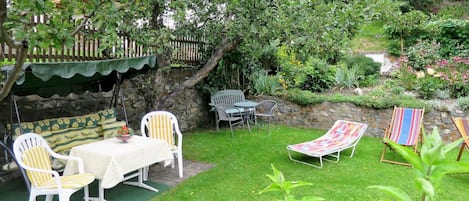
(302, 97)
(366, 66)
(422, 54)
(347, 77)
(451, 34)
(397, 90)
(311, 74)
(263, 84)
(368, 70)
(428, 86)
(463, 103)
(377, 100)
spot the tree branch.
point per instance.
(83, 22)
(17, 68)
(225, 45)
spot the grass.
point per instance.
(370, 38)
(241, 163)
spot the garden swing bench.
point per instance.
(47, 79)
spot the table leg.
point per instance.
(100, 192)
(140, 183)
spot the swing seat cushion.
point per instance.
(66, 132)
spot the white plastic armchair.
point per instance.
(163, 125)
(34, 155)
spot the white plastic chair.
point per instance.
(163, 125)
(34, 155)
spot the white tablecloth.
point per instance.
(109, 160)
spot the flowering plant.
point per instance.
(124, 130)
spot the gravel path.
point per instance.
(170, 177)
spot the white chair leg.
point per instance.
(180, 165)
(145, 173)
(86, 193)
(64, 197)
(48, 197)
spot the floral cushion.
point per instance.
(64, 133)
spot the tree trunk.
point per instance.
(225, 45)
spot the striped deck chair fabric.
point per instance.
(404, 129)
(34, 155)
(342, 135)
(462, 125)
(163, 125)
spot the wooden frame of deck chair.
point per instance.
(462, 125)
(405, 129)
(342, 135)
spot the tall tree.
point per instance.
(319, 28)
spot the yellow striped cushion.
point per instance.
(161, 127)
(72, 181)
(37, 157)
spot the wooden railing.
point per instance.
(186, 50)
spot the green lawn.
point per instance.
(370, 38)
(241, 163)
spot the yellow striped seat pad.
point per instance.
(161, 127)
(72, 181)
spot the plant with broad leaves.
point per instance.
(280, 184)
(430, 166)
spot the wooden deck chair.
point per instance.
(405, 129)
(342, 135)
(462, 125)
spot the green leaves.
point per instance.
(431, 166)
(280, 184)
(396, 193)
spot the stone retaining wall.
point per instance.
(324, 115)
(191, 109)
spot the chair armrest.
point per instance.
(81, 168)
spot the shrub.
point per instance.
(367, 69)
(347, 77)
(463, 103)
(263, 84)
(397, 90)
(422, 54)
(428, 85)
(311, 74)
(451, 34)
(302, 97)
(319, 76)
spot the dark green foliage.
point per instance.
(319, 80)
(422, 54)
(368, 70)
(451, 34)
(302, 97)
(463, 103)
(459, 90)
(366, 65)
(378, 100)
(428, 86)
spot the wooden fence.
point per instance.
(186, 50)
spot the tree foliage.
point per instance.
(312, 28)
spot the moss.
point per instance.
(302, 97)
